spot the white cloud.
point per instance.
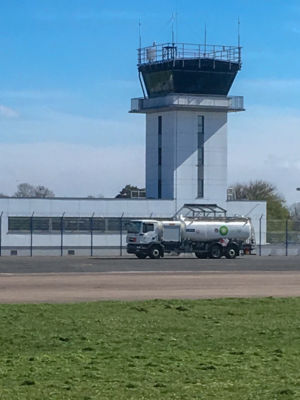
(262, 88)
(103, 155)
(45, 124)
(264, 144)
(71, 170)
(7, 112)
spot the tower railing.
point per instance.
(186, 51)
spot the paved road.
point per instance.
(141, 286)
(25, 265)
(51, 279)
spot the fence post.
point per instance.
(92, 231)
(286, 236)
(121, 235)
(31, 233)
(1, 233)
(260, 234)
(62, 234)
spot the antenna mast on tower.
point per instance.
(204, 39)
(140, 58)
(140, 35)
(140, 44)
(239, 39)
(173, 34)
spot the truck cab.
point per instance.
(143, 238)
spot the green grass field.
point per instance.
(206, 349)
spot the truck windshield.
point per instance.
(148, 227)
(134, 227)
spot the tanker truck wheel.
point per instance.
(215, 251)
(231, 252)
(141, 256)
(154, 252)
(200, 255)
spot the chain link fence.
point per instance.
(97, 234)
(282, 238)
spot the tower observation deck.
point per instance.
(188, 68)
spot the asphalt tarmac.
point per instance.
(73, 264)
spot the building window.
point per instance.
(98, 224)
(200, 161)
(41, 224)
(76, 224)
(160, 125)
(55, 224)
(159, 156)
(113, 225)
(200, 187)
(71, 225)
(19, 224)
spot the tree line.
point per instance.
(258, 190)
(28, 190)
(263, 191)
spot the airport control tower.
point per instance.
(186, 103)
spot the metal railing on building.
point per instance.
(186, 51)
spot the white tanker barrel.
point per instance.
(202, 231)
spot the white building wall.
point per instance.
(49, 243)
(82, 207)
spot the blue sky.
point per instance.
(68, 71)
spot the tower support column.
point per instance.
(186, 146)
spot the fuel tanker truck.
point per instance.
(206, 237)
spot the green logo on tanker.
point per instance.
(223, 230)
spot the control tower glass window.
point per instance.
(159, 156)
(200, 161)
